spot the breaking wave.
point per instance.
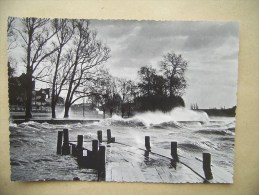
(216, 132)
(116, 120)
(158, 119)
(33, 144)
(176, 114)
(191, 147)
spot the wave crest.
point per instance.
(118, 121)
(176, 118)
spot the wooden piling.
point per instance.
(101, 163)
(73, 149)
(100, 136)
(207, 166)
(65, 147)
(174, 151)
(110, 139)
(113, 140)
(109, 136)
(80, 140)
(79, 147)
(95, 145)
(147, 143)
(59, 142)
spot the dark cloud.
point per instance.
(113, 29)
(210, 47)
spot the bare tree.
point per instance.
(12, 43)
(114, 99)
(146, 74)
(12, 37)
(173, 67)
(36, 36)
(127, 90)
(103, 90)
(60, 59)
(86, 54)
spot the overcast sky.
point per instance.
(211, 48)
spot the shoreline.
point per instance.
(82, 121)
(56, 121)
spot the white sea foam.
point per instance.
(12, 124)
(159, 118)
(177, 114)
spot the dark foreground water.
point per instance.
(33, 145)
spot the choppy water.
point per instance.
(33, 145)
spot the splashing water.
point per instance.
(148, 119)
(33, 145)
(177, 114)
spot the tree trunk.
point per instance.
(122, 113)
(53, 109)
(103, 113)
(28, 114)
(53, 98)
(122, 110)
(129, 108)
(111, 111)
(29, 70)
(170, 88)
(67, 107)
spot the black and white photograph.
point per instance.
(122, 100)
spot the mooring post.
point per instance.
(73, 149)
(100, 136)
(147, 143)
(174, 151)
(59, 142)
(101, 163)
(79, 147)
(65, 147)
(94, 157)
(207, 165)
(113, 140)
(95, 144)
(109, 136)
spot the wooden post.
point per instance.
(207, 166)
(76, 179)
(80, 140)
(101, 163)
(73, 149)
(147, 143)
(59, 142)
(79, 147)
(100, 136)
(93, 156)
(113, 140)
(65, 147)
(95, 144)
(109, 136)
(174, 151)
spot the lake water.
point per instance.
(33, 145)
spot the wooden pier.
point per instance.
(120, 162)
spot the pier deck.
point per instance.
(121, 162)
(129, 164)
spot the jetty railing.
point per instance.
(96, 157)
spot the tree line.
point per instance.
(66, 54)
